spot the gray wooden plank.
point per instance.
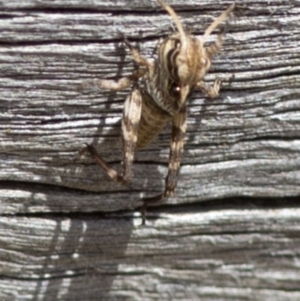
(59, 239)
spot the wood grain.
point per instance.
(68, 233)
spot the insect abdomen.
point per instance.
(153, 120)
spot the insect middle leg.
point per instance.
(124, 82)
(137, 57)
(130, 124)
(211, 91)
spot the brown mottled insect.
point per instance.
(160, 92)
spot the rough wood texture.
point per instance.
(57, 239)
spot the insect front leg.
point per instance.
(213, 91)
(130, 124)
(176, 148)
(109, 84)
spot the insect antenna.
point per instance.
(177, 22)
(213, 25)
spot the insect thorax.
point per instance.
(176, 72)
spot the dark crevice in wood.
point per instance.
(8, 16)
(41, 278)
(48, 188)
(82, 41)
(240, 203)
(266, 138)
(237, 202)
(149, 11)
(198, 145)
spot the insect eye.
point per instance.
(175, 89)
(204, 61)
(177, 44)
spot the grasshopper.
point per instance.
(161, 89)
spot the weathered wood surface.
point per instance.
(57, 240)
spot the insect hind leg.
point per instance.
(112, 173)
(130, 123)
